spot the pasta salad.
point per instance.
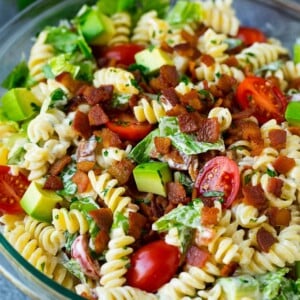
(152, 151)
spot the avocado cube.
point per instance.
(39, 203)
(292, 113)
(152, 177)
(237, 288)
(96, 28)
(152, 59)
(19, 104)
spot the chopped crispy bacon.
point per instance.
(82, 181)
(108, 138)
(176, 110)
(97, 116)
(265, 239)
(189, 122)
(170, 97)
(197, 257)
(53, 183)
(283, 164)
(278, 216)
(101, 241)
(168, 77)
(190, 38)
(85, 165)
(103, 218)
(277, 138)
(295, 83)
(176, 193)
(185, 49)
(95, 95)
(207, 59)
(209, 130)
(166, 47)
(209, 215)
(81, 124)
(254, 195)
(294, 130)
(229, 269)
(274, 186)
(231, 61)
(59, 165)
(162, 144)
(136, 224)
(192, 99)
(69, 82)
(74, 102)
(121, 170)
(226, 83)
(158, 206)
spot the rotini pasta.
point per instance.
(122, 24)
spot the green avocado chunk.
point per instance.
(153, 59)
(38, 203)
(292, 113)
(96, 28)
(152, 177)
(238, 288)
(19, 104)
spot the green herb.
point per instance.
(271, 173)
(70, 238)
(58, 98)
(75, 268)
(120, 221)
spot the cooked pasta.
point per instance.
(122, 24)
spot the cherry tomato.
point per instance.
(219, 174)
(251, 35)
(128, 128)
(262, 95)
(153, 265)
(123, 54)
(12, 189)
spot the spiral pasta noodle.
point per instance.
(109, 155)
(71, 221)
(122, 24)
(39, 55)
(223, 115)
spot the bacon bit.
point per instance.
(294, 130)
(176, 110)
(82, 181)
(232, 61)
(295, 84)
(209, 216)
(168, 77)
(85, 166)
(97, 116)
(207, 59)
(121, 170)
(278, 216)
(175, 156)
(101, 241)
(192, 69)
(136, 224)
(205, 236)
(59, 165)
(103, 218)
(229, 269)
(176, 193)
(81, 124)
(96, 95)
(162, 144)
(69, 82)
(166, 47)
(53, 183)
(187, 50)
(277, 138)
(158, 205)
(226, 83)
(190, 38)
(246, 113)
(74, 102)
(209, 130)
(197, 257)
(86, 157)
(254, 195)
(108, 138)
(265, 239)
(133, 101)
(283, 164)
(192, 99)
(274, 186)
(189, 122)
(170, 97)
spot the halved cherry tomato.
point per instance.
(262, 95)
(128, 128)
(153, 265)
(251, 35)
(123, 54)
(12, 189)
(219, 174)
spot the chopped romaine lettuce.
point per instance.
(85, 205)
(74, 268)
(70, 188)
(58, 98)
(109, 7)
(184, 12)
(70, 238)
(186, 143)
(120, 221)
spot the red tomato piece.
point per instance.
(128, 128)
(219, 174)
(153, 265)
(12, 189)
(262, 95)
(123, 54)
(251, 35)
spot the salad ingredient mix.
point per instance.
(150, 150)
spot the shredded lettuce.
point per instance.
(70, 188)
(74, 268)
(109, 7)
(120, 221)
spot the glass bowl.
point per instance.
(278, 18)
